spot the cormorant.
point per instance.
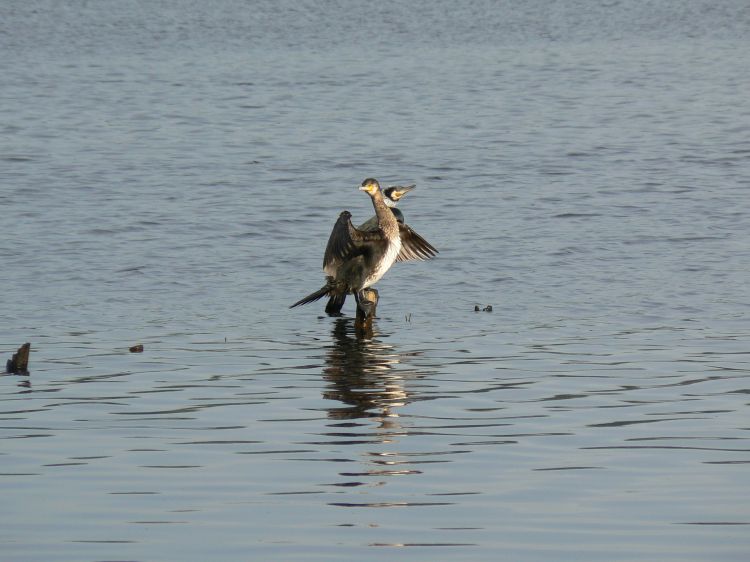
(356, 259)
(391, 196)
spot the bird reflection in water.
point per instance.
(362, 374)
(369, 378)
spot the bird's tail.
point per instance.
(319, 294)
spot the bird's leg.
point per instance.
(367, 300)
(364, 304)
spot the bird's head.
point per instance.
(370, 186)
(394, 193)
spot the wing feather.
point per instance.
(347, 242)
(413, 246)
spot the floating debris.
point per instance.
(19, 363)
(137, 348)
(487, 308)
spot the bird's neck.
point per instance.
(386, 221)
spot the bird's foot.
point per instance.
(366, 305)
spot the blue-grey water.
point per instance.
(169, 173)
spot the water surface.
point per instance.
(169, 175)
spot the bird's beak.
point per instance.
(402, 190)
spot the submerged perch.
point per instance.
(366, 310)
(19, 363)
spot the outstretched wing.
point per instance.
(413, 246)
(347, 242)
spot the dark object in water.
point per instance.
(367, 302)
(19, 363)
(137, 348)
(487, 308)
(476, 308)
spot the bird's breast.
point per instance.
(384, 263)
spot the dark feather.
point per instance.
(312, 297)
(413, 246)
(335, 303)
(347, 242)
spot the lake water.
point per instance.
(169, 174)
